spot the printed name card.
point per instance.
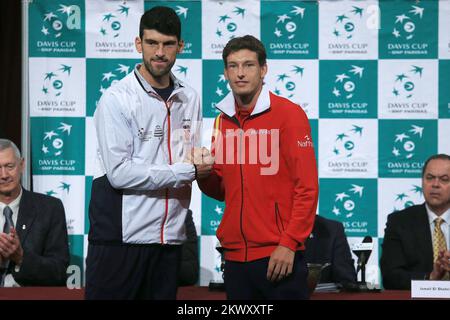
(430, 289)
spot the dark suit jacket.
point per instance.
(407, 248)
(328, 243)
(189, 266)
(41, 227)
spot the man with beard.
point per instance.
(416, 239)
(146, 125)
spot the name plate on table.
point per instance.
(430, 289)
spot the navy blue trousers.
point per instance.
(248, 281)
(132, 272)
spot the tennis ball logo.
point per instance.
(345, 24)
(53, 141)
(405, 143)
(112, 22)
(346, 83)
(53, 81)
(405, 24)
(345, 142)
(286, 81)
(55, 22)
(287, 23)
(404, 84)
(345, 202)
(228, 24)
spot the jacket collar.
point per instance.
(177, 83)
(262, 104)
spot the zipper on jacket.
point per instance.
(170, 162)
(242, 190)
(278, 217)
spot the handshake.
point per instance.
(203, 161)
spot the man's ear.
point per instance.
(263, 70)
(138, 44)
(180, 46)
(22, 165)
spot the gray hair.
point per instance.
(5, 144)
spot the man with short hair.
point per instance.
(416, 240)
(146, 125)
(266, 172)
(34, 249)
(328, 244)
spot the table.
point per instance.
(41, 293)
(202, 293)
(184, 293)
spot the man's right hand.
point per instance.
(203, 161)
(441, 266)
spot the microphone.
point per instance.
(363, 251)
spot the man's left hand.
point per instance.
(280, 264)
(10, 247)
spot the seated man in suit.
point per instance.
(189, 264)
(416, 239)
(328, 244)
(34, 249)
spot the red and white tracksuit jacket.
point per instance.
(266, 172)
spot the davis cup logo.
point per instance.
(228, 24)
(345, 142)
(214, 223)
(55, 22)
(222, 87)
(213, 213)
(345, 203)
(405, 143)
(112, 22)
(181, 70)
(286, 24)
(181, 11)
(405, 25)
(345, 24)
(404, 83)
(53, 80)
(53, 141)
(406, 199)
(190, 16)
(63, 187)
(111, 77)
(289, 29)
(346, 83)
(218, 210)
(285, 83)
